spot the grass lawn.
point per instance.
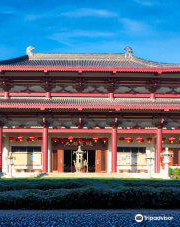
(59, 193)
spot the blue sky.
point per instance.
(150, 27)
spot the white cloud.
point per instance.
(78, 13)
(89, 12)
(146, 2)
(81, 33)
(34, 17)
(134, 26)
(69, 38)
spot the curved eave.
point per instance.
(86, 69)
(86, 107)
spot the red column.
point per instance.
(6, 94)
(158, 149)
(111, 96)
(48, 95)
(1, 137)
(114, 150)
(45, 150)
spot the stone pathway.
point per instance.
(83, 218)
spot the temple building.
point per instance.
(89, 113)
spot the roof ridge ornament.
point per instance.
(129, 52)
(29, 50)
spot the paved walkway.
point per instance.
(83, 218)
(102, 175)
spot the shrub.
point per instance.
(91, 198)
(174, 172)
(170, 171)
(89, 194)
(42, 184)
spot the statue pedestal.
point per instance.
(83, 170)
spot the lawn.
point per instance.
(76, 193)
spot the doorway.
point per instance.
(70, 157)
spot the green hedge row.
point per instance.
(42, 184)
(89, 198)
(47, 184)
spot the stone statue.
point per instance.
(129, 52)
(29, 51)
(10, 159)
(80, 163)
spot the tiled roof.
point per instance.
(88, 103)
(84, 61)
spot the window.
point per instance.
(132, 149)
(25, 149)
(26, 156)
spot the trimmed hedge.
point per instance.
(43, 184)
(89, 194)
(161, 198)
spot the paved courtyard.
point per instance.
(83, 218)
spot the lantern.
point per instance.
(95, 138)
(79, 140)
(121, 139)
(149, 139)
(172, 139)
(19, 138)
(32, 138)
(39, 138)
(87, 141)
(163, 139)
(55, 139)
(62, 140)
(140, 139)
(70, 138)
(11, 139)
(129, 139)
(105, 140)
(29, 140)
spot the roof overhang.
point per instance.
(89, 107)
(157, 71)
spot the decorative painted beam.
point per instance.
(22, 130)
(171, 131)
(94, 131)
(136, 131)
(76, 130)
(105, 95)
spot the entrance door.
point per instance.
(101, 161)
(175, 158)
(57, 160)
